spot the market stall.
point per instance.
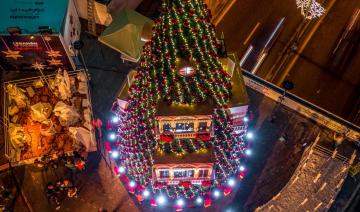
(47, 115)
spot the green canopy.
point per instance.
(124, 33)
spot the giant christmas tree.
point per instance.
(180, 65)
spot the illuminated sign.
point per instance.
(24, 52)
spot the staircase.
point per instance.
(91, 17)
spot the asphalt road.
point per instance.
(313, 81)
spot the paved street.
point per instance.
(310, 74)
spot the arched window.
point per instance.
(186, 71)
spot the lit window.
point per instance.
(184, 173)
(186, 71)
(167, 128)
(202, 126)
(164, 174)
(184, 127)
(203, 173)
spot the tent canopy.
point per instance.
(124, 33)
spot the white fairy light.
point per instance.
(199, 200)
(114, 154)
(161, 200)
(310, 8)
(132, 184)
(122, 169)
(146, 193)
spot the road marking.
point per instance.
(251, 33)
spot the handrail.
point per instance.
(302, 102)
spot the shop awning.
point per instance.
(124, 33)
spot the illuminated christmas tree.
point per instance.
(181, 102)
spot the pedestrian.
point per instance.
(72, 192)
(338, 139)
(66, 184)
(6, 194)
(251, 115)
(283, 137)
(38, 163)
(69, 164)
(59, 185)
(97, 123)
(80, 164)
(52, 196)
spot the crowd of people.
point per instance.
(56, 192)
(63, 187)
(6, 196)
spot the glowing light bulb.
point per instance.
(231, 182)
(121, 169)
(115, 119)
(199, 200)
(246, 119)
(112, 136)
(248, 152)
(114, 154)
(180, 202)
(242, 168)
(161, 200)
(132, 184)
(249, 135)
(146, 193)
(217, 193)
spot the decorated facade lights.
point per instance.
(241, 168)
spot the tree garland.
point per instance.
(183, 30)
